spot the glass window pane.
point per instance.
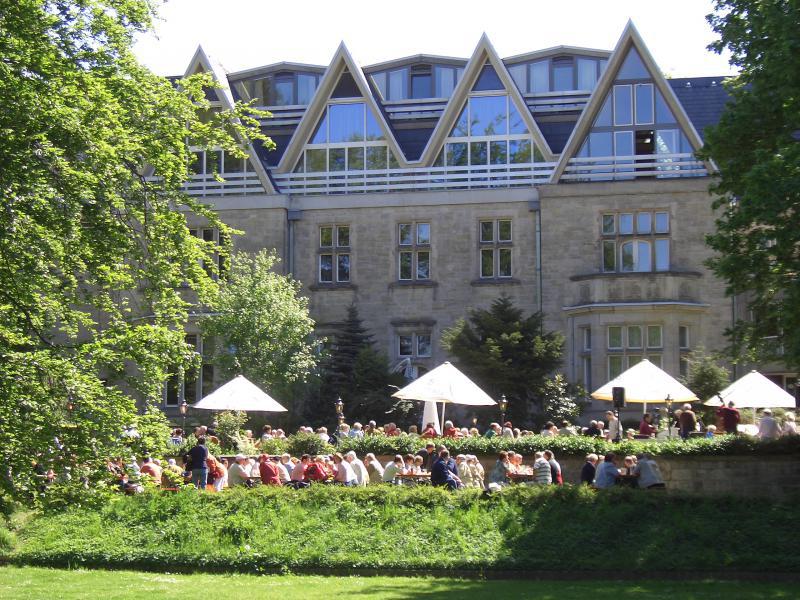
(376, 157)
(587, 74)
(346, 122)
(487, 262)
(325, 237)
(643, 263)
(461, 128)
(478, 154)
(196, 163)
(284, 92)
(609, 257)
(666, 142)
(662, 255)
(336, 160)
(421, 85)
(654, 336)
(326, 267)
(321, 133)
(488, 80)
(643, 222)
(634, 336)
(644, 103)
(540, 77)
(423, 233)
(563, 76)
(488, 115)
(604, 116)
(405, 234)
(374, 131)
(424, 345)
(518, 74)
(635, 359)
(213, 161)
(622, 105)
(683, 337)
(626, 252)
(515, 122)
(398, 84)
(600, 144)
(406, 260)
(380, 83)
(519, 152)
(207, 374)
(614, 337)
(498, 153)
(614, 366)
(306, 86)
(504, 262)
(445, 81)
(623, 144)
(663, 113)
(626, 223)
(406, 345)
(355, 159)
(656, 360)
(423, 265)
(343, 236)
(504, 231)
(609, 223)
(456, 155)
(343, 267)
(487, 231)
(231, 163)
(633, 67)
(662, 222)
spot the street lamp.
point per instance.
(668, 400)
(70, 403)
(183, 408)
(503, 408)
(339, 405)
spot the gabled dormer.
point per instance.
(633, 126)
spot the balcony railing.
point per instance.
(415, 179)
(616, 168)
(235, 184)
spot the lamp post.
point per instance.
(339, 405)
(503, 408)
(668, 399)
(183, 408)
(70, 403)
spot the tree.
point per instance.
(93, 256)
(261, 324)
(357, 373)
(755, 145)
(506, 353)
(705, 377)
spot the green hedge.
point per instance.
(545, 528)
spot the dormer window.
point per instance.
(421, 81)
(417, 82)
(285, 88)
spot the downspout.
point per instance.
(733, 324)
(292, 215)
(535, 206)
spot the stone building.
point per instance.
(425, 186)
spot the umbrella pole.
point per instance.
(443, 405)
(644, 409)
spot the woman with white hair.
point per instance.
(768, 428)
(362, 476)
(789, 425)
(374, 468)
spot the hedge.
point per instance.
(562, 528)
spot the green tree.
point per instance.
(705, 377)
(755, 145)
(93, 258)
(506, 353)
(261, 324)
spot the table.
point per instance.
(413, 478)
(521, 477)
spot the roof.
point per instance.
(703, 99)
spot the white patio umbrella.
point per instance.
(239, 394)
(754, 391)
(645, 384)
(447, 385)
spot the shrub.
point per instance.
(307, 443)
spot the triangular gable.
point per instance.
(342, 60)
(629, 40)
(484, 53)
(201, 62)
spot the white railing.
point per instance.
(615, 168)
(415, 179)
(235, 184)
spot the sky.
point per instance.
(242, 34)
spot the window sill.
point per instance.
(671, 273)
(495, 281)
(425, 283)
(332, 286)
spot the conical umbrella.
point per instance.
(754, 391)
(239, 394)
(645, 384)
(447, 385)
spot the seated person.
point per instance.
(588, 470)
(374, 468)
(442, 475)
(593, 430)
(499, 474)
(392, 430)
(450, 430)
(318, 470)
(607, 474)
(239, 472)
(711, 431)
(648, 473)
(345, 475)
(392, 469)
(299, 470)
(150, 468)
(464, 472)
(268, 471)
(646, 427)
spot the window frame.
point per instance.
(415, 249)
(336, 252)
(660, 242)
(497, 248)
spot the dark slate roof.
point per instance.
(556, 133)
(703, 99)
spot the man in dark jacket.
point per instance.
(588, 470)
(429, 456)
(197, 464)
(442, 475)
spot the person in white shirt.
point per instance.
(768, 428)
(392, 469)
(357, 431)
(239, 472)
(374, 468)
(360, 469)
(614, 431)
(464, 471)
(789, 425)
(284, 468)
(541, 470)
(344, 471)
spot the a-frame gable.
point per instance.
(342, 61)
(201, 63)
(484, 53)
(629, 40)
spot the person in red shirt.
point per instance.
(391, 430)
(150, 468)
(730, 417)
(450, 430)
(429, 431)
(646, 427)
(317, 470)
(268, 471)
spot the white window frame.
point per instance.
(614, 105)
(415, 248)
(496, 246)
(652, 104)
(335, 251)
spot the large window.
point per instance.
(489, 131)
(414, 345)
(215, 162)
(495, 248)
(414, 251)
(334, 254)
(559, 74)
(214, 238)
(195, 383)
(417, 82)
(629, 344)
(635, 242)
(280, 89)
(347, 138)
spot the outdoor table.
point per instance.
(413, 478)
(521, 477)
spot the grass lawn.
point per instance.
(30, 583)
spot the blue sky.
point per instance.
(241, 34)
